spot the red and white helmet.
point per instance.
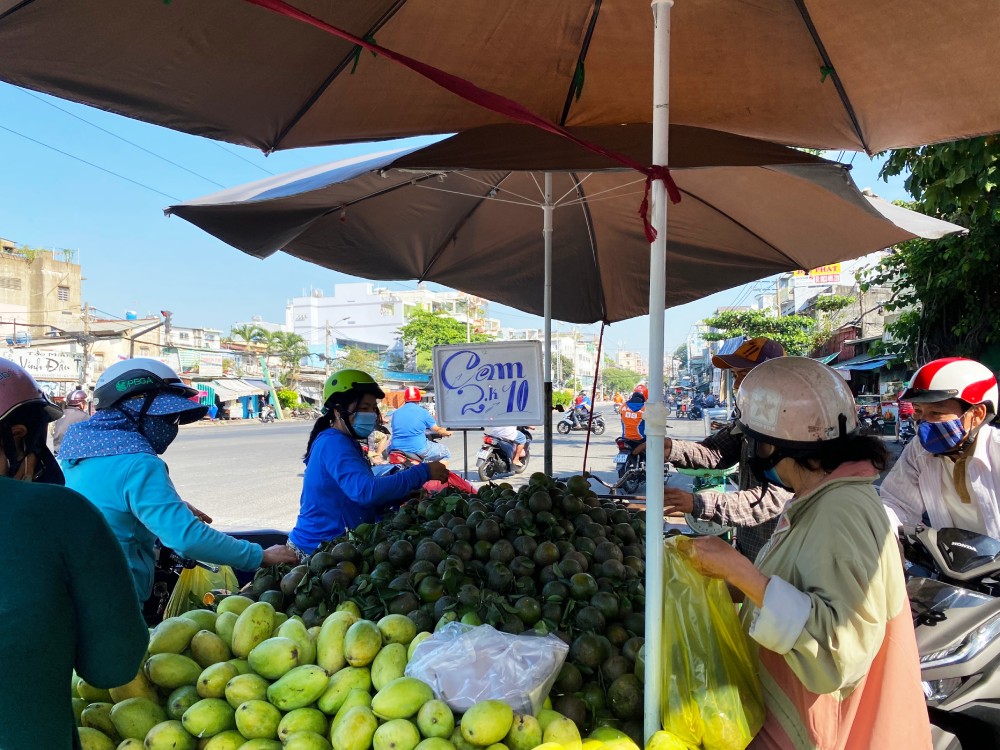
(954, 377)
(412, 394)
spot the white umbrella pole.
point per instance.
(656, 411)
(547, 210)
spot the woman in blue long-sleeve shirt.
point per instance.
(340, 491)
(113, 460)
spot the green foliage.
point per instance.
(359, 359)
(794, 332)
(248, 334)
(830, 303)
(288, 399)
(561, 397)
(566, 367)
(946, 290)
(681, 353)
(424, 330)
(620, 379)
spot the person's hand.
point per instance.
(677, 501)
(712, 557)
(279, 554)
(200, 515)
(439, 472)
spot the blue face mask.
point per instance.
(364, 423)
(773, 477)
(941, 437)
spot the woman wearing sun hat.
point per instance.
(113, 460)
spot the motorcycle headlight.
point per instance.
(969, 647)
(939, 690)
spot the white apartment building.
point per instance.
(579, 348)
(633, 361)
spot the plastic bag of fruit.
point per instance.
(192, 585)
(466, 664)
(711, 695)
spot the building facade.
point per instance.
(39, 293)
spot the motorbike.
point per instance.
(906, 430)
(496, 456)
(695, 411)
(870, 424)
(568, 424)
(406, 459)
(954, 593)
(618, 408)
(266, 414)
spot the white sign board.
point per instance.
(210, 364)
(483, 385)
(45, 364)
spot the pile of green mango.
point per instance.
(246, 676)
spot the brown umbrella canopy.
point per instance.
(855, 74)
(465, 213)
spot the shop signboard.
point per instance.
(209, 365)
(46, 364)
(483, 385)
(823, 275)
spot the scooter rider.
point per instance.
(74, 411)
(753, 510)
(410, 424)
(633, 420)
(113, 460)
(952, 472)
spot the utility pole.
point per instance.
(468, 319)
(326, 357)
(86, 344)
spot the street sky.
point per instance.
(133, 258)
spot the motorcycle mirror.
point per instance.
(559, 408)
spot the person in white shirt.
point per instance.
(513, 435)
(952, 472)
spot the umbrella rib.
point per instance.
(464, 220)
(20, 6)
(337, 70)
(593, 247)
(481, 197)
(484, 183)
(579, 62)
(575, 188)
(829, 69)
(604, 193)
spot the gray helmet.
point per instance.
(137, 377)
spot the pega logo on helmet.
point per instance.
(124, 385)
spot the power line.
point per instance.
(120, 138)
(241, 158)
(91, 164)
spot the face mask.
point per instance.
(941, 437)
(773, 477)
(159, 431)
(364, 423)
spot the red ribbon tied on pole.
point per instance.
(488, 100)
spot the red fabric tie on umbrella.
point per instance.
(488, 100)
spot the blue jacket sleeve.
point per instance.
(353, 474)
(154, 501)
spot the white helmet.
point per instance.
(953, 377)
(796, 402)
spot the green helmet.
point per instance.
(343, 381)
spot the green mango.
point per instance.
(356, 730)
(242, 666)
(224, 625)
(228, 740)
(181, 700)
(330, 641)
(435, 743)
(138, 687)
(172, 636)
(261, 744)
(131, 744)
(302, 720)
(258, 719)
(354, 698)
(296, 631)
(78, 705)
(213, 680)
(208, 648)
(362, 643)
(417, 640)
(280, 618)
(563, 731)
(273, 657)
(246, 687)
(98, 716)
(397, 629)
(253, 627)
(134, 717)
(172, 670)
(435, 719)
(204, 617)
(525, 733)
(298, 687)
(94, 739)
(397, 734)
(208, 717)
(306, 740)
(402, 698)
(92, 694)
(487, 722)
(235, 604)
(169, 735)
(340, 685)
(389, 664)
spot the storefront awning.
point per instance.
(230, 389)
(827, 359)
(863, 363)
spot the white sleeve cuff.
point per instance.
(777, 625)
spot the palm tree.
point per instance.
(249, 333)
(290, 348)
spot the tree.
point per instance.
(794, 332)
(424, 330)
(290, 348)
(248, 333)
(681, 353)
(620, 379)
(565, 367)
(354, 358)
(945, 291)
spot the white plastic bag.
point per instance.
(466, 664)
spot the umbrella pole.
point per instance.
(656, 411)
(547, 209)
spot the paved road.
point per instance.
(250, 475)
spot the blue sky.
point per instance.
(134, 258)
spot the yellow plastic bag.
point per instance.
(194, 583)
(711, 696)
